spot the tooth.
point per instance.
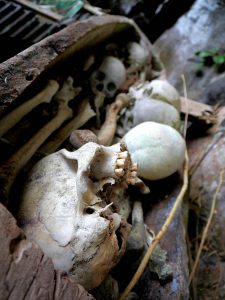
(133, 174)
(120, 162)
(134, 167)
(123, 154)
(119, 172)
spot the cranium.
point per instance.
(66, 210)
(157, 89)
(137, 55)
(155, 101)
(109, 77)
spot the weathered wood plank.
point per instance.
(26, 273)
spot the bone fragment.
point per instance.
(80, 137)
(137, 237)
(108, 129)
(17, 114)
(83, 115)
(99, 101)
(15, 163)
(69, 213)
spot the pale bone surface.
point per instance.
(155, 101)
(157, 89)
(108, 77)
(64, 211)
(137, 55)
(158, 149)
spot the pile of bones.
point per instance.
(114, 128)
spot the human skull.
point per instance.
(66, 209)
(147, 109)
(108, 77)
(157, 89)
(155, 101)
(137, 55)
(158, 149)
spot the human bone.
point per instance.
(84, 113)
(10, 169)
(98, 102)
(147, 109)
(45, 96)
(155, 101)
(108, 128)
(137, 55)
(108, 77)
(65, 209)
(80, 137)
(157, 89)
(158, 149)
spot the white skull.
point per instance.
(157, 89)
(147, 109)
(66, 209)
(109, 77)
(137, 55)
(155, 101)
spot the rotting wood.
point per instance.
(161, 233)
(26, 273)
(19, 72)
(207, 162)
(175, 245)
(199, 111)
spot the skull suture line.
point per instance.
(109, 77)
(66, 210)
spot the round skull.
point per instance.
(109, 77)
(137, 54)
(65, 210)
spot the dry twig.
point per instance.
(206, 229)
(186, 104)
(161, 233)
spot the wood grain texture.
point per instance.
(26, 273)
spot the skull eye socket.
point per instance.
(111, 86)
(89, 211)
(100, 76)
(99, 87)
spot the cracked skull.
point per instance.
(109, 77)
(66, 209)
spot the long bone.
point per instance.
(83, 115)
(98, 101)
(137, 238)
(45, 96)
(108, 129)
(15, 163)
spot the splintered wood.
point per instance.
(199, 111)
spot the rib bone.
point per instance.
(45, 96)
(15, 163)
(83, 115)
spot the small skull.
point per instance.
(137, 55)
(157, 89)
(66, 209)
(109, 77)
